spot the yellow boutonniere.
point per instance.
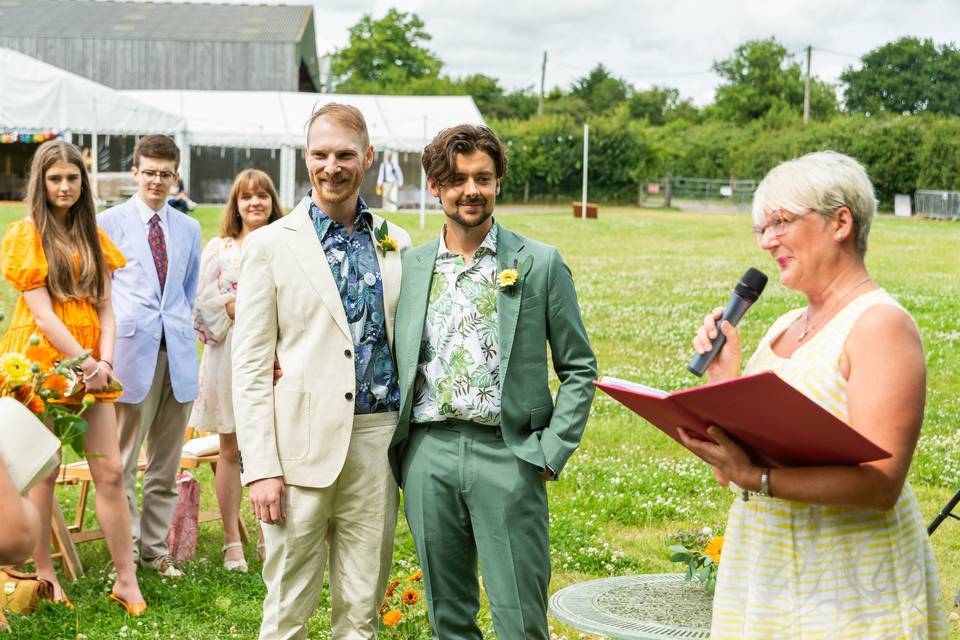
(386, 241)
(508, 277)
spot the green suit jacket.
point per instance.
(540, 309)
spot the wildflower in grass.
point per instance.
(714, 547)
(392, 587)
(416, 576)
(392, 617)
(410, 597)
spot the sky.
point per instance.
(668, 42)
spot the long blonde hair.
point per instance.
(231, 226)
(78, 235)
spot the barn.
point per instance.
(156, 45)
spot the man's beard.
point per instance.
(343, 191)
(470, 222)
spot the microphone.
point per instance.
(744, 294)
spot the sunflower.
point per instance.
(410, 597)
(392, 617)
(714, 547)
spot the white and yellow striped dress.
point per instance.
(791, 570)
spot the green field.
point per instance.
(645, 278)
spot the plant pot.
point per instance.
(27, 447)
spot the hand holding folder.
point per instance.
(776, 424)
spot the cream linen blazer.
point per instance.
(288, 305)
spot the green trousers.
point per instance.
(467, 496)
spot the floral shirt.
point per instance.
(356, 272)
(458, 374)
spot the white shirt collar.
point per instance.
(146, 212)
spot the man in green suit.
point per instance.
(479, 432)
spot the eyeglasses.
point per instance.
(777, 222)
(150, 174)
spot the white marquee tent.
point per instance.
(275, 120)
(37, 95)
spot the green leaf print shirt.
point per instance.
(458, 373)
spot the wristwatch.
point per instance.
(765, 483)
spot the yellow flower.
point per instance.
(88, 399)
(392, 617)
(410, 597)
(714, 547)
(388, 243)
(16, 368)
(507, 278)
(416, 576)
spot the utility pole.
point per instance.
(543, 81)
(806, 89)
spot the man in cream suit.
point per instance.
(156, 351)
(319, 289)
(479, 432)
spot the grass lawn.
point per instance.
(645, 278)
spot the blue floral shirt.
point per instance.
(356, 272)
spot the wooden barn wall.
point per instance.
(169, 64)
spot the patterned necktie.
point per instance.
(158, 248)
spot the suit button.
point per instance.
(156, 336)
(348, 395)
(347, 353)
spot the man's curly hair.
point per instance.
(440, 156)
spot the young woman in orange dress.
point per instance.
(61, 263)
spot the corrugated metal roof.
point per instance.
(153, 20)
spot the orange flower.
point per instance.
(41, 355)
(416, 576)
(392, 617)
(714, 547)
(391, 588)
(383, 609)
(410, 597)
(36, 405)
(56, 383)
(23, 392)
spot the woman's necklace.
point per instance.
(806, 316)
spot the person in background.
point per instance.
(61, 263)
(179, 198)
(389, 181)
(156, 346)
(253, 203)
(829, 551)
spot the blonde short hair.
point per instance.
(821, 182)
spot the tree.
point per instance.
(383, 55)
(600, 90)
(759, 80)
(660, 105)
(907, 76)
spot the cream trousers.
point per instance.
(354, 521)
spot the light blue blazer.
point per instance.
(142, 314)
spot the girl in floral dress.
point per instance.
(253, 203)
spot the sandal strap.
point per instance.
(232, 545)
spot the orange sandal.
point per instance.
(135, 610)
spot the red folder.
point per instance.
(776, 424)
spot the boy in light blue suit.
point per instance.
(156, 351)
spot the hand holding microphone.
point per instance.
(713, 335)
